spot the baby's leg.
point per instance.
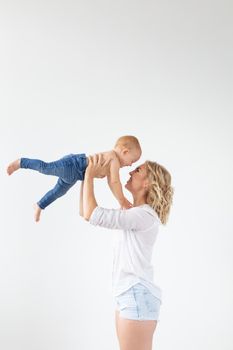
(15, 165)
(37, 212)
(70, 168)
(59, 190)
(52, 168)
(58, 168)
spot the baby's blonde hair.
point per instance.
(160, 194)
(130, 142)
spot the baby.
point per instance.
(71, 168)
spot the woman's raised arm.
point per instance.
(89, 201)
(94, 168)
(81, 200)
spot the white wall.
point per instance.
(75, 75)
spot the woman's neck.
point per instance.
(139, 201)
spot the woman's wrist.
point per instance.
(88, 175)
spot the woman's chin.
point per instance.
(127, 186)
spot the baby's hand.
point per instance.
(125, 204)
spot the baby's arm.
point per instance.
(115, 184)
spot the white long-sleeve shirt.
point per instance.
(133, 251)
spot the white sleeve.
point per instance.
(124, 219)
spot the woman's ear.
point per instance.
(146, 184)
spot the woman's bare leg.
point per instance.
(134, 335)
(116, 323)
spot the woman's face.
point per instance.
(138, 179)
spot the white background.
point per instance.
(76, 75)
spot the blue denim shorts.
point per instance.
(138, 303)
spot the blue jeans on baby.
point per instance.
(68, 169)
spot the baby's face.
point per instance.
(128, 157)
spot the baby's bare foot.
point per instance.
(37, 212)
(13, 166)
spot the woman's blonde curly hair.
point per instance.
(160, 193)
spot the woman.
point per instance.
(137, 298)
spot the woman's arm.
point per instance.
(81, 200)
(89, 201)
(94, 168)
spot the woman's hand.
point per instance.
(96, 166)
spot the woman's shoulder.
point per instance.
(147, 210)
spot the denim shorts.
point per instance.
(138, 303)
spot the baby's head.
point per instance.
(128, 150)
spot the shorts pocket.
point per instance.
(152, 303)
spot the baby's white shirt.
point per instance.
(134, 246)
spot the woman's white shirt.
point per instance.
(133, 251)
